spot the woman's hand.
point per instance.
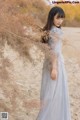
(54, 74)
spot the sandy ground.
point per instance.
(20, 79)
(71, 53)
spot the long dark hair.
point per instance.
(52, 13)
(54, 10)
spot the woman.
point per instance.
(54, 96)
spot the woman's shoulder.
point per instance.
(56, 30)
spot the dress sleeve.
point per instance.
(53, 44)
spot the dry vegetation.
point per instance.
(20, 21)
(72, 14)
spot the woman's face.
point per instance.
(58, 21)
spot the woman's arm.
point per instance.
(54, 67)
(55, 38)
(54, 57)
(53, 60)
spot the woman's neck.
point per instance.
(56, 26)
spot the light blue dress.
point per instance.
(54, 94)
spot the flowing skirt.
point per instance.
(54, 94)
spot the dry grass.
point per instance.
(16, 17)
(20, 22)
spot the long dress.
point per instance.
(54, 94)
